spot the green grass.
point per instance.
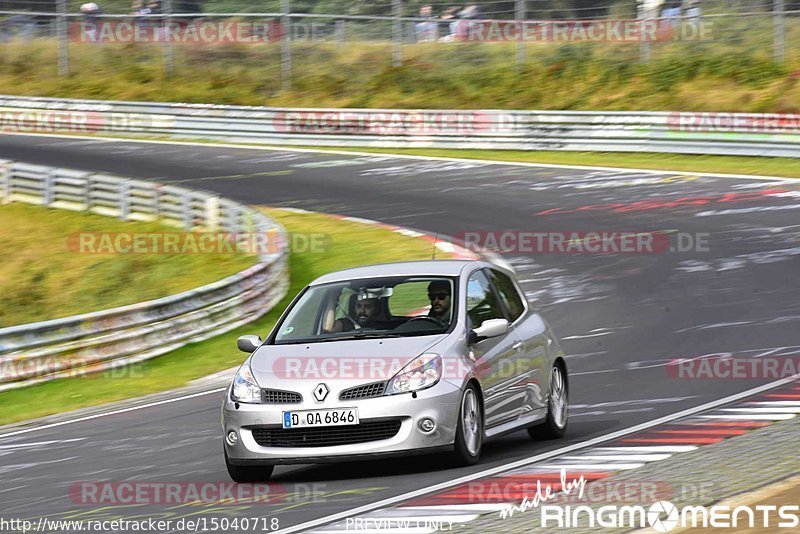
(787, 167)
(349, 244)
(42, 278)
(735, 72)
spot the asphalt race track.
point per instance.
(621, 317)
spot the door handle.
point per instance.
(517, 346)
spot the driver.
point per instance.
(440, 296)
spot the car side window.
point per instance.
(508, 294)
(482, 302)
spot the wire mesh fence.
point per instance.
(291, 40)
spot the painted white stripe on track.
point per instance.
(752, 417)
(772, 409)
(651, 448)
(593, 467)
(621, 457)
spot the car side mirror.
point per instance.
(489, 328)
(248, 344)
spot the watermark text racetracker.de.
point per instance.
(585, 242)
(79, 121)
(171, 493)
(727, 366)
(196, 242)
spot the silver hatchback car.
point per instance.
(395, 359)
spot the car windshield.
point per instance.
(383, 307)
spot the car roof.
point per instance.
(403, 268)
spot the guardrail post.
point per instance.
(5, 182)
(286, 46)
(124, 200)
(63, 38)
(47, 191)
(212, 214)
(87, 192)
(779, 25)
(397, 33)
(186, 211)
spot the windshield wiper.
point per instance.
(365, 335)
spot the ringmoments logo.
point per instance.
(663, 516)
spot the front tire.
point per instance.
(469, 432)
(555, 424)
(244, 474)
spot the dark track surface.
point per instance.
(620, 316)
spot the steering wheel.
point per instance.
(433, 320)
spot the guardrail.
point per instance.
(743, 134)
(107, 339)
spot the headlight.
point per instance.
(245, 388)
(422, 372)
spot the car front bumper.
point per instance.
(440, 403)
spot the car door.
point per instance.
(494, 355)
(528, 364)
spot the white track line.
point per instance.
(532, 459)
(408, 156)
(113, 412)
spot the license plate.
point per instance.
(340, 417)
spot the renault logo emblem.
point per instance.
(320, 392)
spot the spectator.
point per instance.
(155, 8)
(140, 10)
(469, 16)
(91, 18)
(692, 11)
(671, 13)
(426, 31)
(449, 17)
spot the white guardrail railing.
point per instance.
(103, 340)
(622, 131)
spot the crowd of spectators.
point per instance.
(454, 22)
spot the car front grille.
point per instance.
(363, 392)
(276, 396)
(326, 436)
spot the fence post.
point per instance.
(286, 46)
(339, 32)
(779, 25)
(63, 38)
(397, 33)
(521, 46)
(169, 55)
(647, 9)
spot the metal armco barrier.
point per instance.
(743, 134)
(107, 339)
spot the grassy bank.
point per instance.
(720, 75)
(349, 244)
(41, 277)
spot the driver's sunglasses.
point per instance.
(439, 296)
